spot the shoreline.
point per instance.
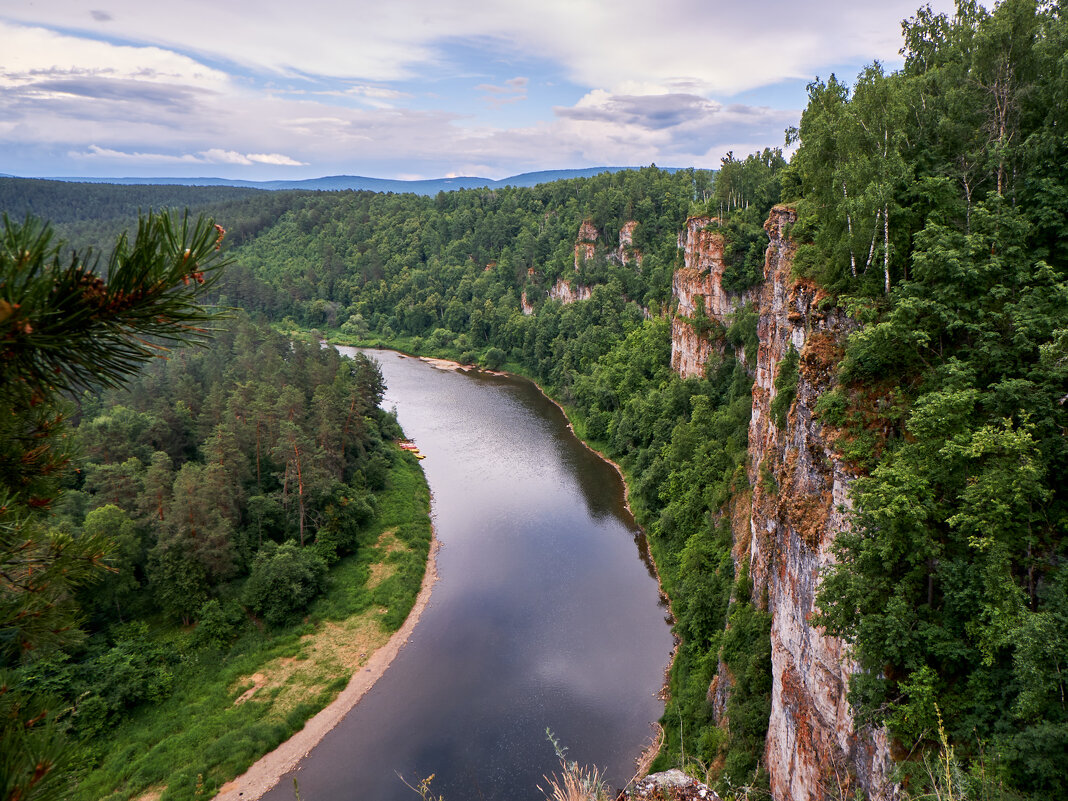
(652, 750)
(269, 769)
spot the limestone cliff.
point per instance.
(812, 748)
(627, 253)
(697, 290)
(566, 292)
(586, 244)
(799, 502)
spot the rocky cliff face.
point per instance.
(627, 253)
(566, 292)
(586, 243)
(698, 287)
(799, 502)
(812, 749)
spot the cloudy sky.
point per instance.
(288, 89)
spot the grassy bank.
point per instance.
(680, 487)
(231, 705)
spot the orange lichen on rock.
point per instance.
(799, 503)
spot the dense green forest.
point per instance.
(245, 487)
(932, 206)
(952, 584)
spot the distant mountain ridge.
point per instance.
(335, 183)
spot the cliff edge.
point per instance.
(798, 503)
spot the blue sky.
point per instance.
(411, 88)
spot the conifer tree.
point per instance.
(69, 322)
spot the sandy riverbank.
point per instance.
(446, 364)
(270, 768)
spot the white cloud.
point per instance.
(211, 156)
(96, 152)
(219, 156)
(720, 45)
(275, 158)
(656, 78)
(32, 55)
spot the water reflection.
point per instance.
(544, 615)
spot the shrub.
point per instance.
(284, 580)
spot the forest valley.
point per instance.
(925, 209)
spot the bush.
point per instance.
(284, 580)
(217, 625)
(493, 359)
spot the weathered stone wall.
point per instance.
(586, 244)
(566, 292)
(699, 282)
(812, 749)
(627, 253)
(798, 503)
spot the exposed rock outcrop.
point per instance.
(671, 785)
(812, 748)
(586, 244)
(627, 253)
(799, 503)
(704, 307)
(566, 292)
(528, 308)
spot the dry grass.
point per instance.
(334, 649)
(574, 782)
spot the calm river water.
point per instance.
(545, 615)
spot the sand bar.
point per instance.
(270, 768)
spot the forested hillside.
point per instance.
(944, 185)
(931, 212)
(247, 488)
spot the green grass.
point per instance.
(197, 739)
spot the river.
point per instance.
(546, 613)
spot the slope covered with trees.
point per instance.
(229, 487)
(934, 202)
(931, 207)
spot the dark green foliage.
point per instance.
(743, 253)
(785, 386)
(953, 390)
(67, 202)
(132, 671)
(65, 327)
(217, 624)
(149, 285)
(494, 359)
(742, 332)
(283, 581)
(746, 652)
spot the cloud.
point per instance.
(101, 16)
(110, 89)
(514, 90)
(647, 111)
(724, 47)
(33, 54)
(96, 152)
(373, 88)
(275, 158)
(211, 156)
